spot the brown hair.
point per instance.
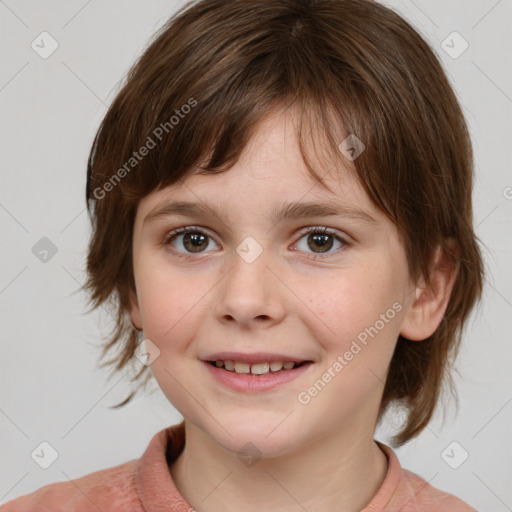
(216, 68)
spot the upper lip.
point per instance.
(257, 357)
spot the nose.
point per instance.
(251, 295)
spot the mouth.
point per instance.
(256, 369)
(255, 373)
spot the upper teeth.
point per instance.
(255, 368)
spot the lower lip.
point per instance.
(248, 383)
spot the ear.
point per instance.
(135, 311)
(430, 302)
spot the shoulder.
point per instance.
(418, 495)
(111, 489)
(405, 491)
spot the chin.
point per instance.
(257, 435)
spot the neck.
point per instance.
(341, 471)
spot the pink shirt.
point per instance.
(146, 485)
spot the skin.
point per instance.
(320, 455)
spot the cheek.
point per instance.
(162, 300)
(354, 302)
(171, 301)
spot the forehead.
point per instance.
(271, 170)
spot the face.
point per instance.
(247, 286)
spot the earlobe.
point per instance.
(135, 311)
(430, 302)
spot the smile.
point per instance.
(263, 376)
(255, 368)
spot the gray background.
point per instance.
(50, 387)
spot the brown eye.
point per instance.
(195, 242)
(188, 240)
(320, 241)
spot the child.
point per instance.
(281, 207)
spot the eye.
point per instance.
(188, 240)
(320, 240)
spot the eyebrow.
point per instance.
(294, 210)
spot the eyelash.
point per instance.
(314, 229)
